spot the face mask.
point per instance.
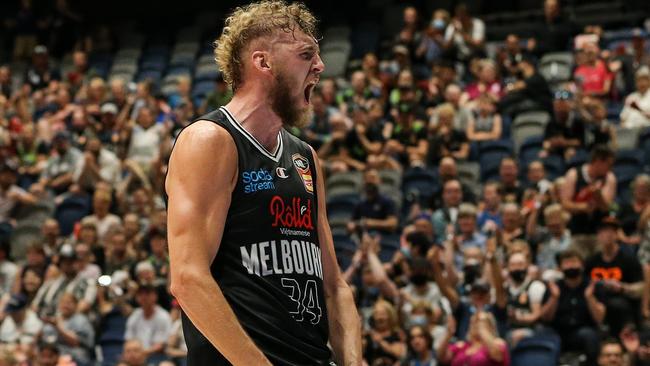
(572, 273)
(471, 272)
(518, 276)
(419, 319)
(419, 279)
(438, 24)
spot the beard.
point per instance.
(285, 105)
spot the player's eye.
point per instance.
(306, 55)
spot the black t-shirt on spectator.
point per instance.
(538, 90)
(573, 128)
(451, 141)
(624, 268)
(373, 350)
(628, 218)
(381, 208)
(572, 311)
(353, 143)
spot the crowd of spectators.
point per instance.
(446, 268)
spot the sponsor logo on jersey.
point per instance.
(281, 173)
(257, 180)
(293, 217)
(304, 171)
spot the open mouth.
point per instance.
(308, 91)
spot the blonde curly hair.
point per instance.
(253, 21)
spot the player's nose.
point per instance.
(318, 66)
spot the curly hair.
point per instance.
(253, 21)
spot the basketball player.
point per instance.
(252, 259)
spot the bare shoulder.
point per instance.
(205, 151)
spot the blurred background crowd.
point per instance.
(486, 172)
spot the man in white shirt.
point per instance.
(21, 325)
(150, 323)
(98, 164)
(636, 112)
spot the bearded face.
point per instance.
(292, 110)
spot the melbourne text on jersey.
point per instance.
(282, 258)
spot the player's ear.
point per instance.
(261, 61)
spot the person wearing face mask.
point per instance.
(421, 289)
(575, 308)
(376, 212)
(521, 296)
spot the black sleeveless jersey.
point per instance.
(268, 265)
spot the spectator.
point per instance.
(176, 346)
(159, 257)
(144, 136)
(103, 219)
(487, 83)
(384, 342)
(21, 325)
(468, 234)
(448, 170)
(620, 275)
(489, 218)
(591, 74)
(88, 269)
(319, 129)
(71, 331)
(407, 135)
(636, 112)
(630, 213)
(376, 213)
(552, 239)
(150, 324)
(447, 141)
(119, 255)
(59, 171)
(444, 219)
(575, 309)
(420, 348)
(530, 92)
(536, 177)
(134, 353)
(462, 115)
(84, 290)
(31, 282)
(487, 125)
(98, 164)
(556, 31)
(511, 188)
(587, 194)
(566, 132)
(410, 35)
(482, 346)
(598, 131)
(39, 74)
(611, 353)
(431, 48)
(464, 35)
(52, 240)
(48, 355)
(358, 93)
(512, 53)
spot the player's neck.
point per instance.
(254, 113)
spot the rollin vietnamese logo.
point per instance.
(294, 215)
(302, 166)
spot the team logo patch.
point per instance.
(302, 166)
(281, 173)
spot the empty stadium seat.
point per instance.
(534, 352)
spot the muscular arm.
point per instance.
(199, 187)
(567, 192)
(344, 325)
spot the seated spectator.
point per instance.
(101, 216)
(446, 141)
(566, 132)
(119, 255)
(481, 347)
(85, 259)
(591, 74)
(420, 348)
(487, 83)
(489, 218)
(444, 219)
(144, 137)
(611, 353)
(21, 325)
(512, 53)
(176, 346)
(575, 309)
(36, 260)
(319, 128)
(636, 112)
(462, 115)
(11, 196)
(384, 341)
(448, 170)
(551, 239)
(31, 283)
(359, 93)
(513, 224)
(620, 274)
(71, 331)
(536, 177)
(98, 164)
(486, 126)
(532, 92)
(366, 136)
(465, 35)
(467, 234)
(511, 188)
(48, 355)
(134, 354)
(85, 291)
(431, 48)
(39, 75)
(632, 215)
(587, 194)
(150, 324)
(376, 212)
(406, 136)
(59, 171)
(598, 130)
(522, 296)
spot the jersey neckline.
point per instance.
(278, 149)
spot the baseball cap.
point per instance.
(17, 302)
(109, 108)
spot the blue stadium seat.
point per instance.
(581, 156)
(554, 166)
(486, 147)
(490, 165)
(112, 353)
(530, 148)
(534, 352)
(421, 181)
(342, 206)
